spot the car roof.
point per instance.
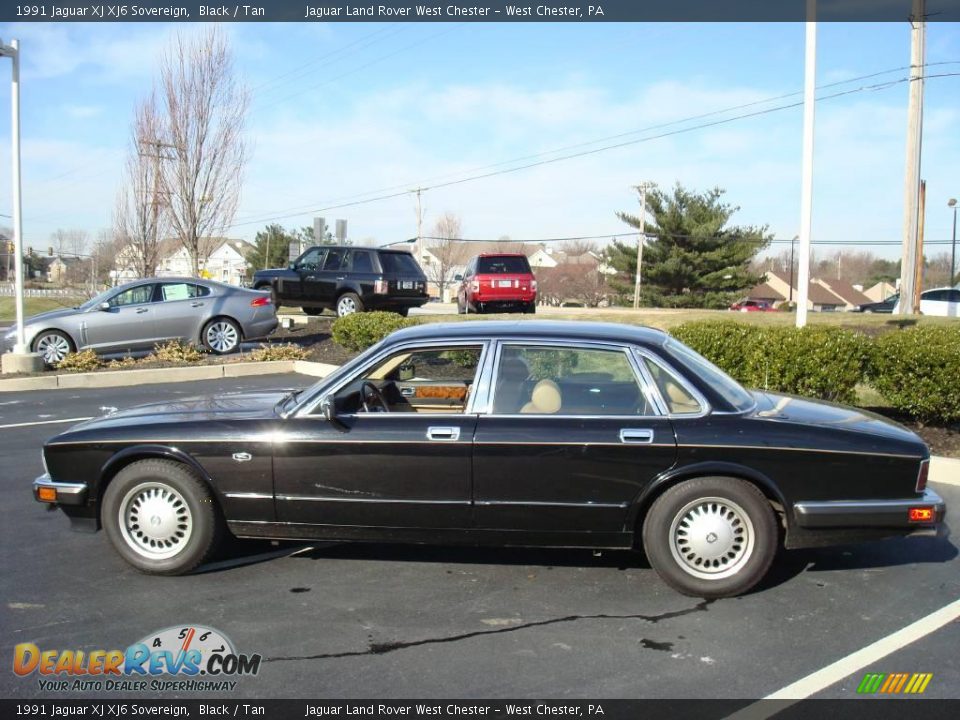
(351, 247)
(501, 254)
(532, 330)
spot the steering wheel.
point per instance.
(374, 394)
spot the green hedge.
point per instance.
(361, 330)
(814, 361)
(918, 371)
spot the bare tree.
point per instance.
(447, 253)
(140, 219)
(204, 107)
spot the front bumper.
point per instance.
(49, 491)
(870, 513)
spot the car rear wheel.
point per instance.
(221, 336)
(312, 311)
(530, 308)
(53, 346)
(711, 537)
(402, 312)
(348, 304)
(160, 517)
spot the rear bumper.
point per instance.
(870, 513)
(66, 493)
(260, 328)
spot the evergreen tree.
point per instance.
(691, 257)
(271, 248)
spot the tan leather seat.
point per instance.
(544, 400)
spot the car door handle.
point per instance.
(448, 434)
(408, 392)
(142, 310)
(636, 435)
(342, 277)
(196, 304)
(311, 277)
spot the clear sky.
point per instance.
(341, 110)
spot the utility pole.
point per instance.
(918, 278)
(793, 242)
(417, 249)
(806, 191)
(952, 203)
(911, 200)
(156, 155)
(642, 188)
(13, 52)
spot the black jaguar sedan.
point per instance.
(521, 433)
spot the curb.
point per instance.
(153, 376)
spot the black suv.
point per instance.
(347, 280)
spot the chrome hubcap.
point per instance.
(155, 521)
(53, 348)
(711, 538)
(346, 306)
(222, 336)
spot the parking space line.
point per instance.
(45, 422)
(835, 672)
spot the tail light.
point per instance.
(920, 514)
(260, 301)
(533, 285)
(380, 287)
(922, 476)
(475, 286)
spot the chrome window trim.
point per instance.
(640, 379)
(306, 408)
(705, 407)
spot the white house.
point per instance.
(227, 263)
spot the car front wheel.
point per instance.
(160, 517)
(53, 346)
(711, 537)
(221, 336)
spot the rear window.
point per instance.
(503, 265)
(399, 263)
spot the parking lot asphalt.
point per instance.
(340, 620)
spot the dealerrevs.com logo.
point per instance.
(179, 658)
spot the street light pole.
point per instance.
(642, 188)
(952, 203)
(12, 51)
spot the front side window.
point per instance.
(138, 295)
(435, 380)
(566, 381)
(311, 260)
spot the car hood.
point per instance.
(46, 317)
(793, 409)
(211, 408)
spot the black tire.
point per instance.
(312, 311)
(402, 312)
(221, 336)
(53, 346)
(348, 304)
(191, 505)
(530, 308)
(732, 508)
(460, 309)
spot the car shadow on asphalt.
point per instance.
(872, 555)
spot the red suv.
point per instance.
(501, 281)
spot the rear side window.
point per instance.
(503, 265)
(336, 260)
(362, 262)
(399, 263)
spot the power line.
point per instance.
(584, 153)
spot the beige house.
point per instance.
(820, 297)
(880, 292)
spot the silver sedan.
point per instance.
(141, 314)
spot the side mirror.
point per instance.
(104, 306)
(292, 266)
(407, 371)
(458, 277)
(329, 410)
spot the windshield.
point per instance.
(399, 262)
(97, 299)
(721, 383)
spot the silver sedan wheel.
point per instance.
(53, 348)
(222, 336)
(346, 306)
(711, 538)
(155, 521)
